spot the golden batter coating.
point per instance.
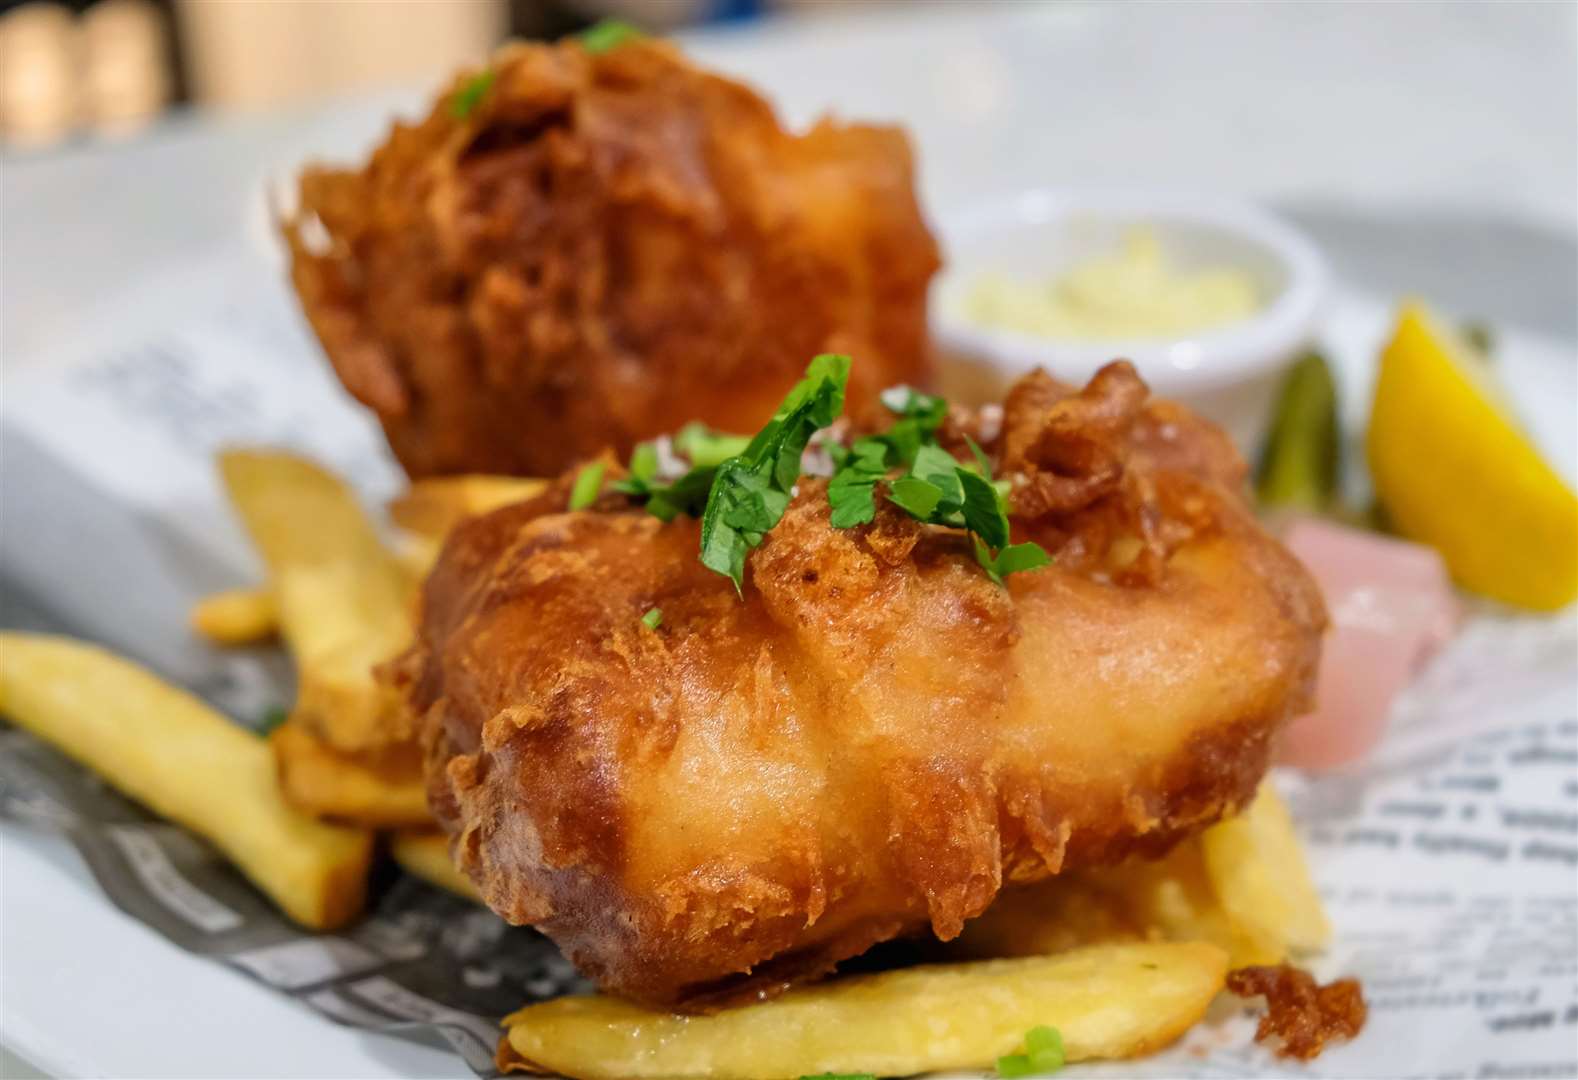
(602, 249)
(876, 738)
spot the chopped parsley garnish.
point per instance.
(852, 491)
(751, 491)
(700, 445)
(936, 488)
(653, 618)
(740, 489)
(1011, 559)
(841, 1076)
(643, 467)
(1043, 1054)
(273, 718)
(608, 34)
(468, 97)
(588, 482)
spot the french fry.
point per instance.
(342, 597)
(172, 753)
(1166, 899)
(425, 853)
(1257, 869)
(1108, 1001)
(378, 790)
(1044, 918)
(1241, 885)
(432, 507)
(236, 617)
(1172, 899)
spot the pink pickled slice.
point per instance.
(1392, 606)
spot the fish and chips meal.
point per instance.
(830, 728)
(1001, 685)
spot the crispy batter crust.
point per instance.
(606, 248)
(1302, 1016)
(876, 738)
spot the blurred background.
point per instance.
(108, 67)
(1428, 147)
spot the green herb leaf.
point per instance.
(1013, 1065)
(644, 462)
(687, 495)
(607, 35)
(937, 466)
(840, 1076)
(936, 489)
(588, 482)
(919, 417)
(982, 462)
(852, 490)
(853, 502)
(984, 556)
(984, 513)
(1010, 560)
(917, 497)
(1016, 558)
(272, 718)
(703, 447)
(751, 490)
(653, 618)
(1044, 1048)
(469, 96)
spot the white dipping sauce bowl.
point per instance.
(1229, 373)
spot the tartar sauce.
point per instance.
(1132, 293)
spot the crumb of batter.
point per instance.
(1302, 1013)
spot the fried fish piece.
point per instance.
(601, 248)
(876, 738)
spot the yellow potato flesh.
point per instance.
(1108, 1001)
(1256, 866)
(318, 781)
(432, 507)
(1241, 885)
(167, 750)
(236, 617)
(342, 598)
(425, 853)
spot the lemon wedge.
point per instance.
(1455, 471)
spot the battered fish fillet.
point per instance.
(876, 738)
(602, 249)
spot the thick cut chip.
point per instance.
(1108, 1001)
(166, 749)
(1045, 918)
(1256, 866)
(236, 616)
(1173, 899)
(425, 853)
(433, 506)
(342, 597)
(1241, 885)
(377, 790)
